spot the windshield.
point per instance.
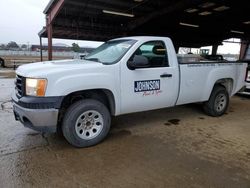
(111, 51)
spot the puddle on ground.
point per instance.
(172, 122)
(248, 155)
(167, 124)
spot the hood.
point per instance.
(43, 69)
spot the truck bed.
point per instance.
(198, 78)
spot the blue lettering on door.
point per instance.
(147, 85)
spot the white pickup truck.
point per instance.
(121, 76)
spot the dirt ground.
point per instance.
(174, 147)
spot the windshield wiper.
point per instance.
(93, 59)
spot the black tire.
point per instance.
(214, 108)
(76, 111)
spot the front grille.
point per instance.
(20, 86)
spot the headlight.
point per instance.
(35, 87)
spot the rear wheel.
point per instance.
(218, 102)
(86, 123)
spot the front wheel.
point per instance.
(218, 102)
(86, 123)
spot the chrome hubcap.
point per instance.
(89, 125)
(220, 102)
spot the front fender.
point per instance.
(72, 83)
(65, 85)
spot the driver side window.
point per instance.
(155, 52)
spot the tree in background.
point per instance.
(24, 46)
(12, 45)
(75, 47)
(2, 47)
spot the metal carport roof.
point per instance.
(191, 23)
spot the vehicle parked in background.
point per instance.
(122, 76)
(2, 62)
(80, 55)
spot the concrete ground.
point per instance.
(174, 147)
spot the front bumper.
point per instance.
(37, 113)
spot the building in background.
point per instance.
(60, 48)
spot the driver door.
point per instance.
(152, 87)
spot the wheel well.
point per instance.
(103, 95)
(226, 83)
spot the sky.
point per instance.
(227, 47)
(232, 46)
(21, 20)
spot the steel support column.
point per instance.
(50, 36)
(214, 49)
(243, 49)
(41, 49)
(49, 24)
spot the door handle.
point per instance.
(166, 75)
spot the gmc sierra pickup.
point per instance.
(121, 76)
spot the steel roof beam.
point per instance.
(168, 9)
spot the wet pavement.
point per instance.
(174, 147)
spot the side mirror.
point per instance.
(139, 61)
